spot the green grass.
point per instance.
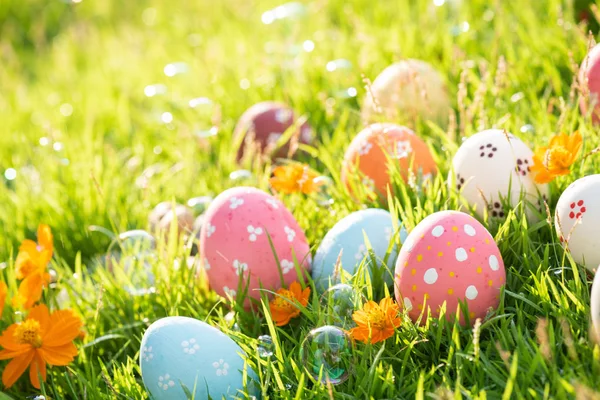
(514, 66)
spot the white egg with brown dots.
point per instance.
(577, 220)
(492, 167)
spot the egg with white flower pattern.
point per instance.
(346, 240)
(449, 258)
(493, 166)
(242, 228)
(180, 355)
(577, 220)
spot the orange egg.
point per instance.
(370, 150)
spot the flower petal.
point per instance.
(44, 237)
(16, 367)
(7, 339)
(59, 355)
(37, 369)
(64, 328)
(41, 314)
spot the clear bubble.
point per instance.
(133, 253)
(175, 68)
(327, 354)
(199, 204)
(10, 174)
(166, 117)
(44, 141)
(265, 346)
(308, 46)
(136, 240)
(199, 102)
(58, 146)
(339, 64)
(324, 187)
(206, 133)
(339, 303)
(241, 175)
(155, 90)
(527, 128)
(463, 27)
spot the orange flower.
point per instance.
(285, 304)
(41, 339)
(376, 322)
(3, 291)
(556, 159)
(30, 266)
(294, 178)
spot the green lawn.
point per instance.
(90, 150)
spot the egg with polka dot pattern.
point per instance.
(595, 305)
(180, 355)
(266, 122)
(240, 225)
(493, 166)
(449, 258)
(409, 89)
(577, 220)
(347, 240)
(371, 151)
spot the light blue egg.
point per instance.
(178, 352)
(348, 237)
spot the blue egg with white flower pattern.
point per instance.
(347, 238)
(182, 357)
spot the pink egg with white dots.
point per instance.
(450, 258)
(235, 244)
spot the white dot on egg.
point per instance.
(407, 304)
(494, 265)
(437, 231)
(461, 254)
(431, 276)
(469, 230)
(471, 292)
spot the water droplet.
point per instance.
(175, 68)
(44, 141)
(66, 109)
(244, 84)
(528, 128)
(460, 28)
(199, 102)
(517, 97)
(166, 117)
(240, 175)
(327, 354)
(231, 320)
(339, 303)
(308, 46)
(439, 3)
(323, 195)
(57, 146)
(10, 174)
(157, 150)
(339, 64)
(199, 204)
(206, 133)
(346, 93)
(265, 346)
(154, 90)
(289, 10)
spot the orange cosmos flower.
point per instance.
(41, 339)
(556, 159)
(285, 304)
(30, 266)
(376, 322)
(294, 178)
(3, 291)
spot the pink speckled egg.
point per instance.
(235, 246)
(589, 79)
(449, 257)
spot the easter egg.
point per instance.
(264, 123)
(448, 258)
(493, 166)
(346, 240)
(589, 80)
(595, 306)
(166, 212)
(577, 220)
(180, 354)
(236, 237)
(409, 89)
(370, 150)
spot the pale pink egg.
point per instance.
(235, 244)
(589, 80)
(449, 257)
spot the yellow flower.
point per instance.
(376, 322)
(3, 291)
(30, 267)
(294, 178)
(41, 339)
(556, 159)
(285, 304)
